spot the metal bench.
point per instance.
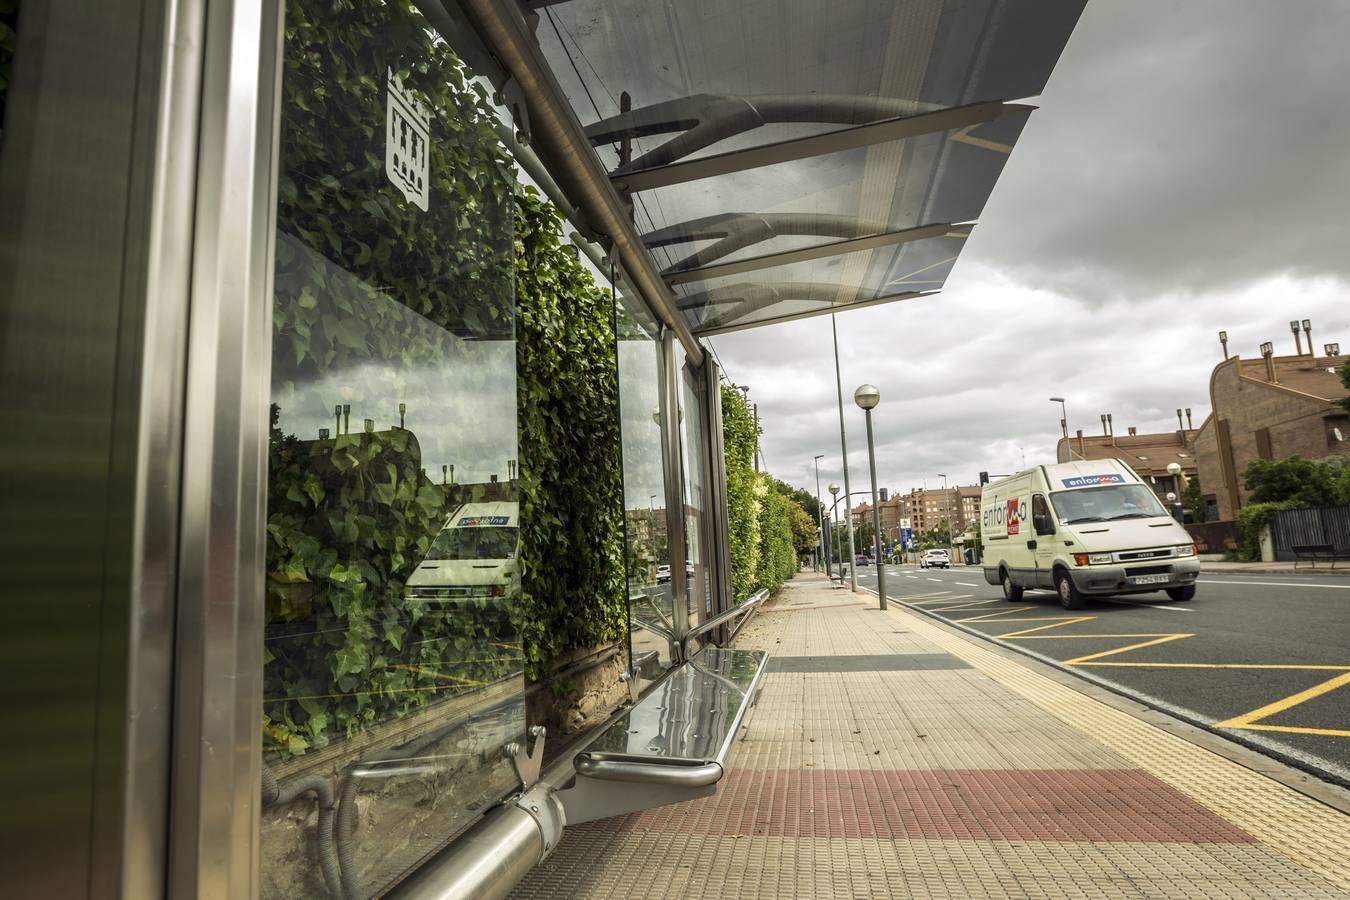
(1314, 552)
(672, 745)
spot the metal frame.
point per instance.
(216, 803)
(806, 254)
(671, 434)
(719, 555)
(171, 175)
(881, 132)
(572, 161)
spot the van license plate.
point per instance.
(1150, 579)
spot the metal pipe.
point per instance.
(876, 512)
(648, 773)
(572, 161)
(484, 864)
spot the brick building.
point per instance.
(1147, 454)
(925, 508)
(1267, 408)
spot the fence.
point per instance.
(1292, 528)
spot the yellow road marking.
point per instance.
(1070, 637)
(1333, 732)
(1157, 640)
(1059, 624)
(1007, 616)
(1246, 720)
(1179, 665)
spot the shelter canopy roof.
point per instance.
(788, 158)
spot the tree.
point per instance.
(805, 534)
(1193, 499)
(1305, 481)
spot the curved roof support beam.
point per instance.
(876, 132)
(736, 231)
(714, 330)
(871, 241)
(706, 119)
(748, 297)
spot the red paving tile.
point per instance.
(960, 804)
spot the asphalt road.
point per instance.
(1266, 657)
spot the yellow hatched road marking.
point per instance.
(1178, 665)
(1249, 720)
(1009, 616)
(1054, 624)
(1162, 639)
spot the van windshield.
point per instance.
(474, 543)
(1106, 504)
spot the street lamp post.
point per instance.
(843, 453)
(834, 492)
(1064, 423)
(820, 514)
(867, 397)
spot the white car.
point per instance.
(935, 559)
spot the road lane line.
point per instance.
(966, 584)
(1181, 609)
(1339, 587)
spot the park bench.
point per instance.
(671, 745)
(1314, 552)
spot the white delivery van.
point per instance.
(1081, 529)
(474, 555)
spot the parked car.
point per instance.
(935, 559)
(663, 574)
(861, 560)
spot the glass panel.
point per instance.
(651, 606)
(392, 665)
(806, 66)
(697, 589)
(944, 177)
(832, 281)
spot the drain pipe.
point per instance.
(274, 795)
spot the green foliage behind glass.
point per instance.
(572, 551)
(379, 291)
(739, 435)
(9, 15)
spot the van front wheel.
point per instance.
(1011, 592)
(1069, 595)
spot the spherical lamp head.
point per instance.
(1174, 469)
(834, 488)
(867, 396)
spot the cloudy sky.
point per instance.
(1188, 171)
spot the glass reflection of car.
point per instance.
(663, 572)
(935, 559)
(474, 555)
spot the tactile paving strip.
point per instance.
(1298, 827)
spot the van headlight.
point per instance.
(1186, 550)
(1094, 559)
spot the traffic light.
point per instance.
(984, 478)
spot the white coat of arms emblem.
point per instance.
(407, 140)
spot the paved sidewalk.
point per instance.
(887, 757)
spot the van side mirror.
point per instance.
(1042, 524)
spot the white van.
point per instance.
(1081, 529)
(474, 555)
